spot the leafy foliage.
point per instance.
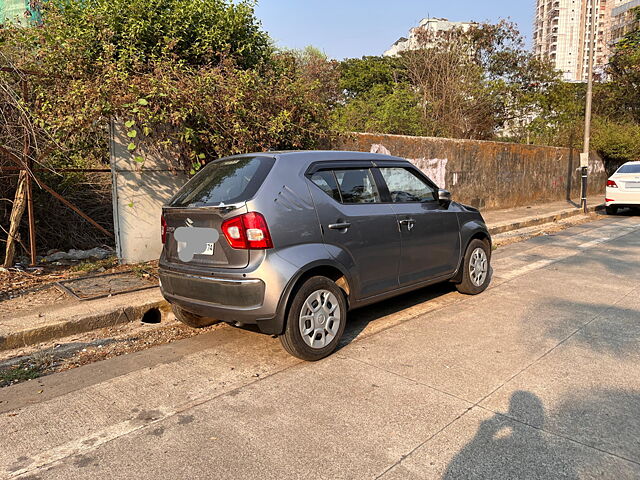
(624, 69)
(462, 84)
(198, 77)
(381, 111)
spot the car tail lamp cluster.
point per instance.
(163, 229)
(612, 184)
(247, 232)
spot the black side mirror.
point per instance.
(444, 197)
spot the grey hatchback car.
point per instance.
(291, 241)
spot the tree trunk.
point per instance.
(19, 205)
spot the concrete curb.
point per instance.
(508, 226)
(114, 313)
(82, 324)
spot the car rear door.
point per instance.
(359, 230)
(429, 231)
(217, 193)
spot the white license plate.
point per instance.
(208, 250)
(633, 184)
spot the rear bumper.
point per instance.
(248, 296)
(616, 197)
(224, 293)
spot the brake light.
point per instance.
(163, 229)
(247, 232)
(612, 184)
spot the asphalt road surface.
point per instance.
(539, 377)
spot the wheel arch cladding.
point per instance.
(316, 269)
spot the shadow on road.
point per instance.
(615, 330)
(503, 448)
(360, 318)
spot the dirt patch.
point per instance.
(24, 290)
(27, 363)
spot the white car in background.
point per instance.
(623, 188)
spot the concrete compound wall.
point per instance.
(489, 175)
(139, 192)
(483, 174)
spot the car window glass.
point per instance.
(357, 186)
(227, 181)
(629, 169)
(405, 187)
(327, 182)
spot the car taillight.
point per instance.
(163, 229)
(247, 232)
(611, 184)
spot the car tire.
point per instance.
(313, 329)
(191, 319)
(611, 210)
(476, 266)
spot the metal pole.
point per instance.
(587, 118)
(28, 163)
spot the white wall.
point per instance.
(139, 191)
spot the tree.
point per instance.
(382, 111)
(624, 71)
(359, 76)
(317, 70)
(476, 82)
(198, 77)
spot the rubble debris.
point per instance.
(77, 255)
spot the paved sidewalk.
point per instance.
(501, 221)
(72, 317)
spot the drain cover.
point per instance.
(99, 286)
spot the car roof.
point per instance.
(323, 155)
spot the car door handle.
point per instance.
(409, 222)
(339, 226)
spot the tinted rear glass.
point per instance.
(327, 182)
(224, 181)
(629, 169)
(357, 186)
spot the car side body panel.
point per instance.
(298, 219)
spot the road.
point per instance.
(539, 377)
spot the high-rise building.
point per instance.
(623, 20)
(434, 26)
(562, 34)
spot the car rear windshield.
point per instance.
(224, 181)
(629, 169)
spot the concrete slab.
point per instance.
(83, 409)
(505, 220)
(487, 445)
(334, 419)
(590, 384)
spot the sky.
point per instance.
(353, 28)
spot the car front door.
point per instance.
(430, 237)
(359, 230)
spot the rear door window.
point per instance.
(406, 187)
(357, 186)
(327, 183)
(227, 181)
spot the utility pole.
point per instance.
(584, 158)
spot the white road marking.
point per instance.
(79, 446)
(517, 272)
